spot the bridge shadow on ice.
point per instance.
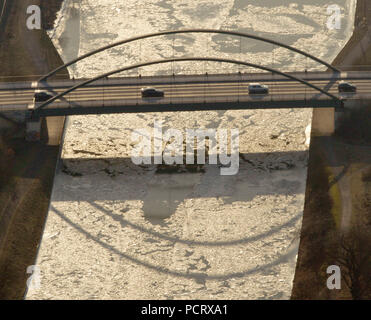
(164, 194)
(118, 179)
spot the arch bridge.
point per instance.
(235, 100)
(103, 94)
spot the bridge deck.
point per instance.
(185, 93)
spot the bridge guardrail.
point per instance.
(199, 78)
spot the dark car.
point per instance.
(257, 88)
(151, 92)
(346, 87)
(42, 96)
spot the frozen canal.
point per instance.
(116, 230)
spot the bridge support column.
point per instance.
(323, 122)
(33, 129)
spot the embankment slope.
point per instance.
(26, 169)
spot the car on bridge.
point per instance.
(344, 86)
(151, 92)
(42, 95)
(257, 88)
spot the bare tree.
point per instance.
(353, 255)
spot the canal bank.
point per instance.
(222, 237)
(26, 169)
(337, 213)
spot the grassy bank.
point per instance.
(26, 169)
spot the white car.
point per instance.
(257, 88)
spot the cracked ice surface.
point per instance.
(120, 231)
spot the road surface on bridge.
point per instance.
(198, 92)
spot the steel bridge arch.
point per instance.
(157, 34)
(105, 75)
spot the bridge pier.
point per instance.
(326, 121)
(323, 121)
(33, 128)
